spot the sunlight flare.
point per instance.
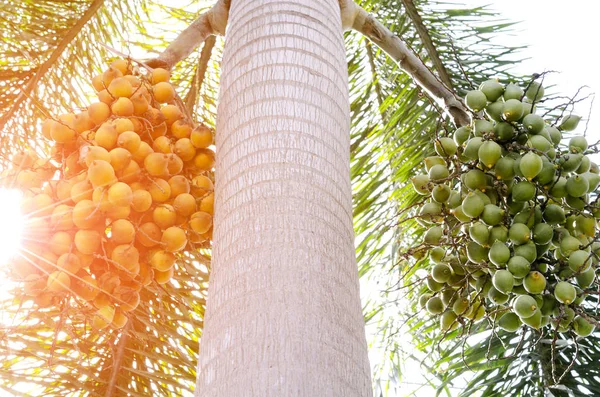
(12, 220)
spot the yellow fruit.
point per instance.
(131, 173)
(159, 189)
(100, 198)
(115, 213)
(43, 204)
(86, 215)
(171, 113)
(97, 83)
(159, 75)
(164, 277)
(126, 256)
(143, 151)
(62, 133)
(28, 179)
(204, 160)
(164, 216)
(23, 159)
(156, 164)
(101, 173)
(130, 300)
(120, 194)
(173, 239)
(162, 144)
(201, 137)
(140, 104)
(62, 217)
(184, 149)
(185, 204)
(201, 222)
(175, 164)
(58, 282)
(122, 231)
(208, 204)
(81, 191)
(203, 183)
(129, 140)
(119, 158)
(34, 284)
(163, 92)
(162, 260)
(148, 235)
(106, 136)
(142, 200)
(98, 112)
(60, 243)
(105, 97)
(122, 125)
(83, 122)
(179, 185)
(119, 320)
(120, 87)
(88, 241)
(122, 107)
(109, 75)
(121, 65)
(95, 153)
(181, 129)
(103, 317)
(68, 263)
(86, 288)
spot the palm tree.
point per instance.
(51, 50)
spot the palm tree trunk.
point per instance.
(284, 315)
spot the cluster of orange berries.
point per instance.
(125, 193)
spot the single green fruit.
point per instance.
(578, 144)
(477, 253)
(533, 123)
(433, 285)
(509, 322)
(534, 282)
(580, 261)
(534, 321)
(569, 244)
(473, 205)
(549, 303)
(525, 306)
(565, 292)
(585, 225)
(523, 191)
(437, 254)
(585, 165)
(499, 253)
(494, 110)
(542, 233)
(440, 193)
(531, 165)
(438, 172)
(445, 147)
(441, 273)
(435, 305)
(433, 235)
(431, 212)
(492, 90)
(593, 181)
(519, 266)
(483, 127)
(461, 135)
(527, 251)
(513, 110)
(559, 189)
(497, 297)
(577, 203)
(519, 233)
(529, 216)
(434, 160)
(503, 281)
(571, 161)
(475, 179)
(540, 143)
(535, 91)
(421, 184)
(528, 107)
(476, 100)
(479, 233)
(504, 168)
(448, 321)
(504, 131)
(498, 233)
(554, 214)
(489, 153)
(569, 123)
(423, 299)
(577, 186)
(582, 327)
(460, 306)
(594, 168)
(555, 135)
(460, 215)
(547, 174)
(472, 148)
(448, 296)
(513, 91)
(492, 215)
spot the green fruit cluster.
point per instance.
(511, 217)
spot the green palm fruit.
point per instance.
(492, 90)
(528, 107)
(535, 91)
(433, 285)
(433, 235)
(421, 184)
(582, 327)
(473, 205)
(445, 147)
(460, 215)
(509, 322)
(492, 215)
(523, 191)
(423, 299)
(438, 172)
(460, 306)
(586, 278)
(440, 193)
(441, 273)
(471, 151)
(530, 166)
(584, 166)
(559, 189)
(533, 123)
(540, 143)
(569, 123)
(494, 110)
(461, 135)
(437, 254)
(554, 214)
(434, 160)
(593, 181)
(555, 135)
(571, 161)
(499, 254)
(534, 282)
(549, 303)
(543, 233)
(594, 169)
(519, 289)
(513, 110)
(525, 306)
(448, 296)
(489, 153)
(475, 179)
(527, 251)
(569, 244)
(585, 225)
(475, 100)
(580, 261)
(455, 200)
(547, 174)
(529, 216)
(435, 305)
(519, 266)
(534, 321)
(541, 250)
(479, 233)
(577, 203)
(431, 212)
(477, 253)
(519, 233)
(513, 91)
(504, 131)
(497, 297)
(504, 168)
(483, 127)
(448, 321)
(498, 233)
(565, 292)
(503, 281)
(577, 186)
(486, 199)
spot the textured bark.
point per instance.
(284, 315)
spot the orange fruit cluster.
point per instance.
(126, 192)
